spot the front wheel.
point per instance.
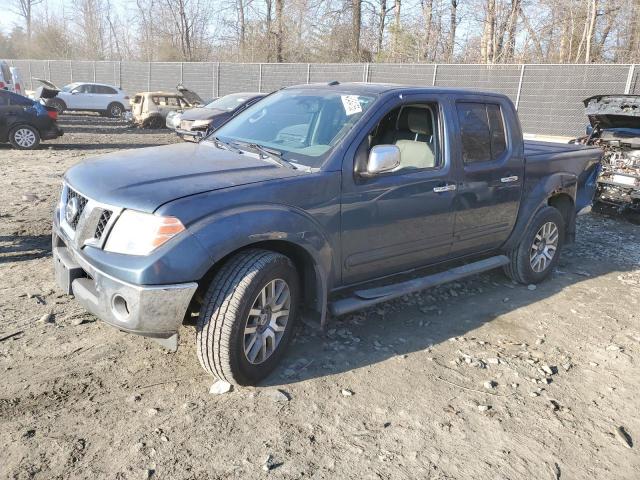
(24, 137)
(247, 317)
(538, 252)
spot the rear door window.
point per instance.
(20, 100)
(482, 132)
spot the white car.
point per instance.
(90, 97)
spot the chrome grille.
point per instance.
(82, 202)
(102, 223)
(92, 221)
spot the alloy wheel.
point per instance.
(267, 321)
(544, 247)
(25, 137)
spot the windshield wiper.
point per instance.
(227, 145)
(270, 153)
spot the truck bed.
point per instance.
(535, 148)
(583, 161)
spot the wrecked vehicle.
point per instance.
(107, 100)
(150, 109)
(614, 125)
(301, 204)
(197, 122)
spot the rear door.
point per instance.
(103, 96)
(4, 115)
(491, 157)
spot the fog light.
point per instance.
(120, 307)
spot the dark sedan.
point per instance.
(196, 122)
(25, 122)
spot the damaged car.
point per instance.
(197, 122)
(614, 125)
(151, 109)
(107, 100)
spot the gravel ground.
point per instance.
(479, 379)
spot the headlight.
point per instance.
(137, 233)
(200, 123)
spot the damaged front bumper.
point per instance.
(155, 311)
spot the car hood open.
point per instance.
(144, 179)
(613, 111)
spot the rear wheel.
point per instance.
(58, 104)
(539, 249)
(24, 137)
(247, 317)
(154, 122)
(115, 110)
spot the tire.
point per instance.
(115, 110)
(155, 122)
(24, 137)
(529, 260)
(227, 346)
(58, 104)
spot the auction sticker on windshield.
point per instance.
(351, 104)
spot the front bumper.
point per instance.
(155, 311)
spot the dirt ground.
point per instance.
(78, 399)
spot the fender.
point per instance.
(231, 230)
(536, 194)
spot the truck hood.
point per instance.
(144, 179)
(613, 111)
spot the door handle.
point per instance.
(513, 178)
(445, 188)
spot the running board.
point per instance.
(372, 296)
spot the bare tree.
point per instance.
(453, 23)
(24, 8)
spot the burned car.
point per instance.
(150, 109)
(614, 125)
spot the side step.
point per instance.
(372, 296)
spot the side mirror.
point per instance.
(382, 159)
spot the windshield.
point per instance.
(68, 88)
(302, 124)
(229, 102)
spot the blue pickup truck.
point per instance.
(318, 200)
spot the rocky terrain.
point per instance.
(479, 379)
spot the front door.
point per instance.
(492, 160)
(402, 219)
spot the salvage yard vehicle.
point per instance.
(197, 122)
(151, 109)
(25, 122)
(302, 204)
(107, 100)
(614, 125)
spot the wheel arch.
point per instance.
(312, 277)
(279, 228)
(552, 190)
(565, 204)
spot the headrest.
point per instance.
(416, 120)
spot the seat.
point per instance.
(413, 135)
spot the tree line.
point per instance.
(452, 31)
